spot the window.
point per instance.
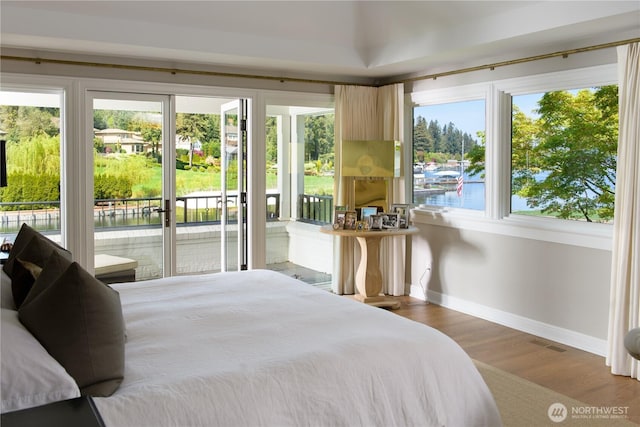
(563, 153)
(546, 160)
(299, 154)
(448, 154)
(30, 123)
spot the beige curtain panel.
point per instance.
(624, 312)
(366, 113)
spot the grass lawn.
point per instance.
(190, 181)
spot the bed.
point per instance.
(259, 348)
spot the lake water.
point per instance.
(472, 196)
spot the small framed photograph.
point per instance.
(390, 220)
(375, 222)
(350, 220)
(403, 214)
(367, 211)
(338, 219)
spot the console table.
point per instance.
(368, 274)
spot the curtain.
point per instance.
(393, 249)
(624, 310)
(365, 113)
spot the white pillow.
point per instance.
(29, 375)
(6, 294)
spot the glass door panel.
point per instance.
(129, 186)
(30, 126)
(233, 186)
(199, 171)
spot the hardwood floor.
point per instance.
(572, 372)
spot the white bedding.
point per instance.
(258, 348)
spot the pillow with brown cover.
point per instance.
(25, 274)
(78, 320)
(22, 241)
(37, 251)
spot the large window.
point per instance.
(563, 153)
(448, 154)
(299, 154)
(546, 161)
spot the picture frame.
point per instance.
(367, 211)
(375, 222)
(350, 220)
(339, 218)
(390, 220)
(402, 209)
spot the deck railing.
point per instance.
(315, 209)
(143, 211)
(116, 213)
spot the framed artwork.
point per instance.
(403, 214)
(350, 220)
(339, 218)
(390, 220)
(375, 222)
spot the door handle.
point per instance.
(166, 211)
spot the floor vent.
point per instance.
(548, 345)
(540, 343)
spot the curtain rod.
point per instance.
(562, 53)
(170, 70)
(492, 66)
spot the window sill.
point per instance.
(588, 235)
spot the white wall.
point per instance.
(557, 291)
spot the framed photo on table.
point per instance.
(390, 220)
(350, 220)
(367, 211)
(403, 214)
(375, 222)
(339, 217)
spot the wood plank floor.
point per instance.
(572, 372)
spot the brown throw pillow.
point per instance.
(78, 320)
(55, 265)
(37, 252)
(24, 239)
(25, 274)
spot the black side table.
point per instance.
(79, 412)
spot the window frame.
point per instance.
(497, 217)
(473, 92)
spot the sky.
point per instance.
(469, 116)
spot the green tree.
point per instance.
(577, 148)
(476, 156)
(272, 139)
(151, 133)
(318, 137)
(422, 140)
(524, 162)
(191, 127)
(22, 122)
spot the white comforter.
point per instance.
(258, 348)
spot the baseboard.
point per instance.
(520, 323)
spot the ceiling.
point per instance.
(329, 40)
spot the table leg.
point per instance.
(369, 276)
